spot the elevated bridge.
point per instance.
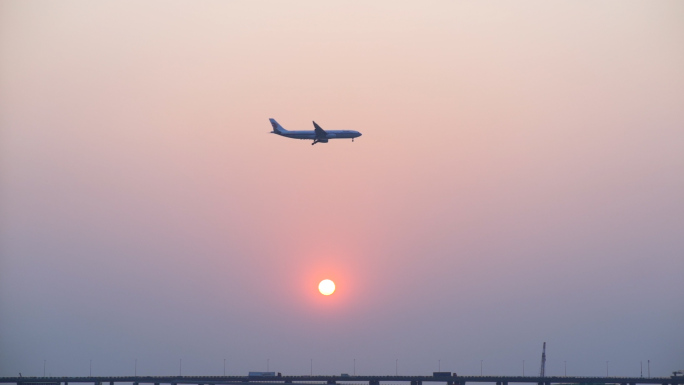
(338, 380)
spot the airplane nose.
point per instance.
(358, 134)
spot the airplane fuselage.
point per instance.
(318, 135)
(330, 134)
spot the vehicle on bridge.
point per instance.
(264, 374)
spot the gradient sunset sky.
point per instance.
(520, 179)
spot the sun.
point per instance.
(326, 287)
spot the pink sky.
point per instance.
(520, 179)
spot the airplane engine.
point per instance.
(323, 140)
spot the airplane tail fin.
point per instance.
(277, 128)
(319, 131)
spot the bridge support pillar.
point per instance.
(373, 382)
(416, 382)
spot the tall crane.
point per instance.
(543, 362)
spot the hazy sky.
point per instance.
(520, 179)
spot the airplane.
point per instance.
(318, 134)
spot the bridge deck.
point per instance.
(311, 380)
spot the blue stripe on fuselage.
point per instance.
(343, 134)
(333, 134)
(299, 134)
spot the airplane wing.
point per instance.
(320, 133)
